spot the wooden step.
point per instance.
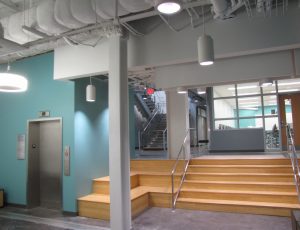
(154, 165)
(262, 208)
(101, 185)
(240, 185)
(264, 161)
(157, 179)
(267, 177)
(98, 205)
(240, 195)
(241, 168)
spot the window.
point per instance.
(250, 106)
(225, 108)
(224, 91)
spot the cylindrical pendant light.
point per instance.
(205, 46)
(205, 50)
(90, 92)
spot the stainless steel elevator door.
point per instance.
(50, 164)
(45, 164)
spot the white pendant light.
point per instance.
(181, 90)
(205, 46)
(168, 6)
(201, 91)
(12, 83)
(265, 82)
(90, 92)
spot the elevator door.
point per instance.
(44, 164)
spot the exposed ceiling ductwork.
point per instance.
(31, 27)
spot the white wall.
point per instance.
(245, 68)
(177, 122)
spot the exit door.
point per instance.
(289, 106)
(44, 186)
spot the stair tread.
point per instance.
(239, 182)
(240, 203)
(239, 174)
(102, 198)
(241, 192)
(106, 178)
(240, 166)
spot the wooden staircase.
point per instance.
(257, 186)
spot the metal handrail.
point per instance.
(187, 161)
(293, 157)
(164, 138)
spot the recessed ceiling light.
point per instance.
(201, 91)
(181, 90)
(265, 82)
(168, 6)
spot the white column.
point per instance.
(177, 122)
(119, 154)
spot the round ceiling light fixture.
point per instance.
(168, 6)
(12, 83)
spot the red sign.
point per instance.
(150, 91)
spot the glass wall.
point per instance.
(247, 105)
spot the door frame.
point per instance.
(279, 114)
(39, 120)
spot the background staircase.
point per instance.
(256, 186)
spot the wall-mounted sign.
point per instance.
(21, 146)
(44, 113)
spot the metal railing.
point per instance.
(159, 108)
(293, 156)
(186, 164)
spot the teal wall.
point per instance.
(91, 135)
(43, 94)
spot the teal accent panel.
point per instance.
(131, 123)
(16, 108)
(91, 135)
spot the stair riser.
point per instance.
(235, 209)
(240, 162)
(258, 187)
(240, 197)
(240, 170)
(157, 181)
(240, 178)
(101, 211)
(102, 187)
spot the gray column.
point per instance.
(119, 157)
(177, 122)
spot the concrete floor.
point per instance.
(152, 219)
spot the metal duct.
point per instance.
(83, 11)
(220, 8)
(46, 20)
(15, 23)
(64, 16)
(135, 5)
(106, 9)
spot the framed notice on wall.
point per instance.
(21, 146)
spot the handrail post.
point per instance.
(172, 181)
(139, 139)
